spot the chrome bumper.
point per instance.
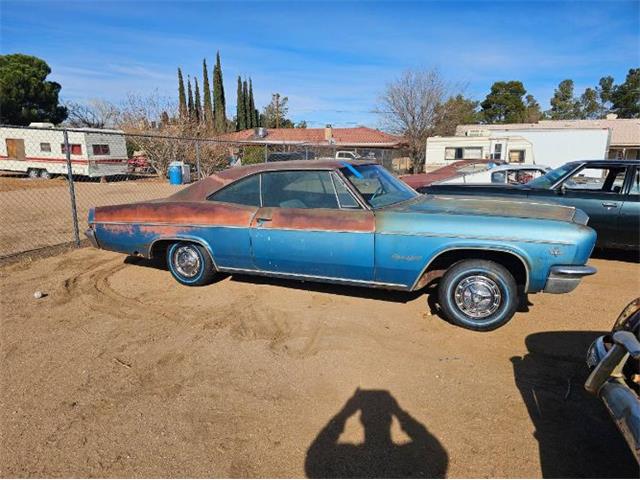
(606, 381)
(624, 407)
(565, 278)
(91, 235)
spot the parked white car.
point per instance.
(508, 174)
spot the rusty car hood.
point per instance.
(485, 206)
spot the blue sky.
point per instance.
(332, 59)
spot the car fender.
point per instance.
(519, 253)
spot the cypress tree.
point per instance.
(247, 111)
(219, 107)
(240, 112)
(207, 113)
(252, 107)
(182, 99)
(198, 105)
(190, 106)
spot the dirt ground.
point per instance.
(37, 213)
(121, 372)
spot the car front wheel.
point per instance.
(478, 295)
(190, 264)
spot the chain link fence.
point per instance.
(51, 177)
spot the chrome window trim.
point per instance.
(333, 180)
(353, 190)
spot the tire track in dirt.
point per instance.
(249, 319)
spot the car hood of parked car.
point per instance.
(489, 206)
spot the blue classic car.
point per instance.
(354, 223)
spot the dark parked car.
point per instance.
(615, 379)
(606, 190)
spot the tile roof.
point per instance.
(353, 137)
(624, 131)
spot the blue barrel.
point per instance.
(175, 173)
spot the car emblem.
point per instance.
(555, 251)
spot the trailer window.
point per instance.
(101, 149)
(76, 149)
(45, 147)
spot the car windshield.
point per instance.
(550, 178)
(377, 186)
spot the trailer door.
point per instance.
(15, 148)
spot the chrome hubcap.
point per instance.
(186, 261)
(478, 296)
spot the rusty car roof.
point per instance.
(202, 189)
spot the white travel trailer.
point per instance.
(551, 147)
(40, 151)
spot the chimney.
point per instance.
(328, 133)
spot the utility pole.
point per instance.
(277, 95)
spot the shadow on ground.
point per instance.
(576, 437)
(378, 456)
(631, 256)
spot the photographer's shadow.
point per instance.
(423, 456)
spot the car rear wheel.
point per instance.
(190, 264)
(478, 295)
(45, 174)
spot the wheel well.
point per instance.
(160, 247)
(443, 261)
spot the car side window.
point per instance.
(597, 179)
(635, 183)
(298, 189)
(497, 177)
(345, 198)
(242, 192)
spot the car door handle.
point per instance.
(609, 204)
(262, 220)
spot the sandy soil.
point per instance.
(121, 372)
(37, 213)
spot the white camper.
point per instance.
(40, 151)
(549, 146)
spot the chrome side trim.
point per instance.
(474, 237)
(320, 278)
(196, 225)
(503, 250)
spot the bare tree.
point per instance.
(410, 106)
(153, 126)
(96, 113)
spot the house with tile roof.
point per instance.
(349, 138)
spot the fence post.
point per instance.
(198, 159)
(72, 190)
(266, 151)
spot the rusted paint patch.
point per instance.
(185, 213)
(161, 230)
(128, 229)
(310, 219)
